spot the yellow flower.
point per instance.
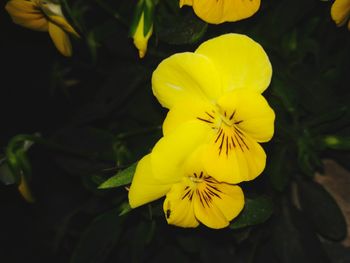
(140, 38)
(45, 16)
(218, 88)
(192, 195)
(219, 11)
(340, 12)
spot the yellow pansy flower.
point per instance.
(192, 195)
(219, 11)
(340, 12)
(140, 38)
(43, 15)
(217, 87)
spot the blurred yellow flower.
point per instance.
(192, 195)
(140, 38)
(216, 89)
(340, 12)
(43, 15)
(219, 11)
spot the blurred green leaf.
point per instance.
(123, 177)
(179, 28)
(99, 239)
(278, 167)
(322, 210)
(336, 142)
(6, 175)
(292, 240)
(255, 211)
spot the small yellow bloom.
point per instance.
(140, 39)
(43, 15)
(340, 12)
(192, 195)
(216, 89)
(219, 11)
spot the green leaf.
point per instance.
(322, 210)
(99, 239)
(256, 211)
(122, 178)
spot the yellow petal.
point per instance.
(252, 113)
(222, 207)
(27, 14)
(340, 11)
(140, 40)
(144, 187)
(243, 161)
(60, 39)
(179, 211)
(219, 11)
(185, 76)
(241, 61)
(170, 153)
(25, 191)
(186, 111)
(62, 23)
(186, 2)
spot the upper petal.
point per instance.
(219, 11)
(144, 187)
(27, 14)
(241, 61)
(186, 111)
(184, 76)
(340, 11)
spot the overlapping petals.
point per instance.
(219, 11)
(212, 133)
(219, 86)
(192, 195)
(43, 16)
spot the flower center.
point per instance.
(228, 133)
(203, 187)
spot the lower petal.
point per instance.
(171, 151)
(242, 163)
(144, 187)
(179, 211)
(62, 22)
(224, 205)
(60, 39)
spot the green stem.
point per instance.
(139, 132)
(49, 144)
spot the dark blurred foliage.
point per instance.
(70, 124)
